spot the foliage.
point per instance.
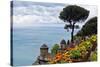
(93, 38)
(93, 56)
(75, 54)
(89, 28)
(73, 14)
(78, 53)
(54, 49)
(70, 26)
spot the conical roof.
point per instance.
(44, 46)
(63, 42)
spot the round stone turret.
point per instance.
(43, 51)
(63, 44)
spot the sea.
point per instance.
(28, 40)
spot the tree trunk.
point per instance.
(72, 33)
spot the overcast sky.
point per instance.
(32, 13)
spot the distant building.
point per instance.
(44, 55)
(68, 42)
(63, 44)
(44, 50)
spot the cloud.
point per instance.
(31, 13)
(35, 14)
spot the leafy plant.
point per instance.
(75, 54)
(93, 56)
(89, 28)
(54, 49)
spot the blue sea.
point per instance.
(27, 42)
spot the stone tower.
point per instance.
(63, 44)
(43, 50)
(43, 57)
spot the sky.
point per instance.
(26, 13)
